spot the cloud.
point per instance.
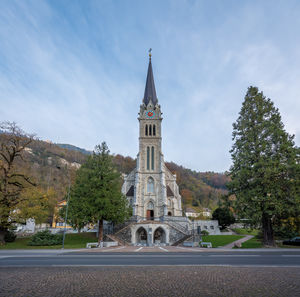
(75, 72)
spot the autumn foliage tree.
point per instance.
(12, 181)
(35, 203)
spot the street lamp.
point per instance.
(66, 216)
(67, 206)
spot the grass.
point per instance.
(220, 240)
(252, 243)
(72, 241)
(246, 231)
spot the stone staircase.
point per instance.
(117, 239)
(178, 227)
(181, 240)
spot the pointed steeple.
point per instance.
(150, 93)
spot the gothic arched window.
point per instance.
(152, 157)
(150, 185)
(148, 158)
(154, 130)
(146, 130)
(150, 205)
(150, 130)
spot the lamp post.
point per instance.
(67, 206)
(66, 216)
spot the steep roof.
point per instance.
(130, 192)
(150, 92)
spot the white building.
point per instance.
(190, 212)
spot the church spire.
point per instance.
(150, 93)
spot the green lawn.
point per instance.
(220, 240)
(252, 243)
(246, 231)
(72, 241)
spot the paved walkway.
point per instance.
(149, 281)
(239, 241)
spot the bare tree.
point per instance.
(13, 142)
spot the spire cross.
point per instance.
(150, 50)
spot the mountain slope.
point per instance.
(52, 165)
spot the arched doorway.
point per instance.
(159, 235)
(141, 236)
(169, 213)
(150, 211)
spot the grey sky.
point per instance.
(74, 71)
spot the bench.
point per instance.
(206, 244)
(89, 245)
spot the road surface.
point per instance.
(131, 272)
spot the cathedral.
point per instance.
(151, 188)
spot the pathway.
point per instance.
(239, 241)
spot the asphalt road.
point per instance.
(79, 258)
(142, 273)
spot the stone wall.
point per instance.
(211, 226)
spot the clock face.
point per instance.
(150, 114)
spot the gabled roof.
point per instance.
(150, 92)
(130, 192)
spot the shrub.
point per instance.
(224, 216)
(204, 233)
(10, 236)
(45, 238)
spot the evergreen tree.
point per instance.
(224, 217)
(96, 194)
(265, 171)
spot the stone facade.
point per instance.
(151, 188)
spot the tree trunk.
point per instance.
(2, 235)
(100, 232)
(267, 229)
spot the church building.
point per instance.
(151, 188)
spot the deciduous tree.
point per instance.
(12, 181)
(35, 203)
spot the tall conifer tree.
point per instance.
(96, 194)
(265, 171)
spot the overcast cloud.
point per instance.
(74, 71)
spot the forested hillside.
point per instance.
(51, 165)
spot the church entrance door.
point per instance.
(150, 214)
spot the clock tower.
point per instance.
(151, 188)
